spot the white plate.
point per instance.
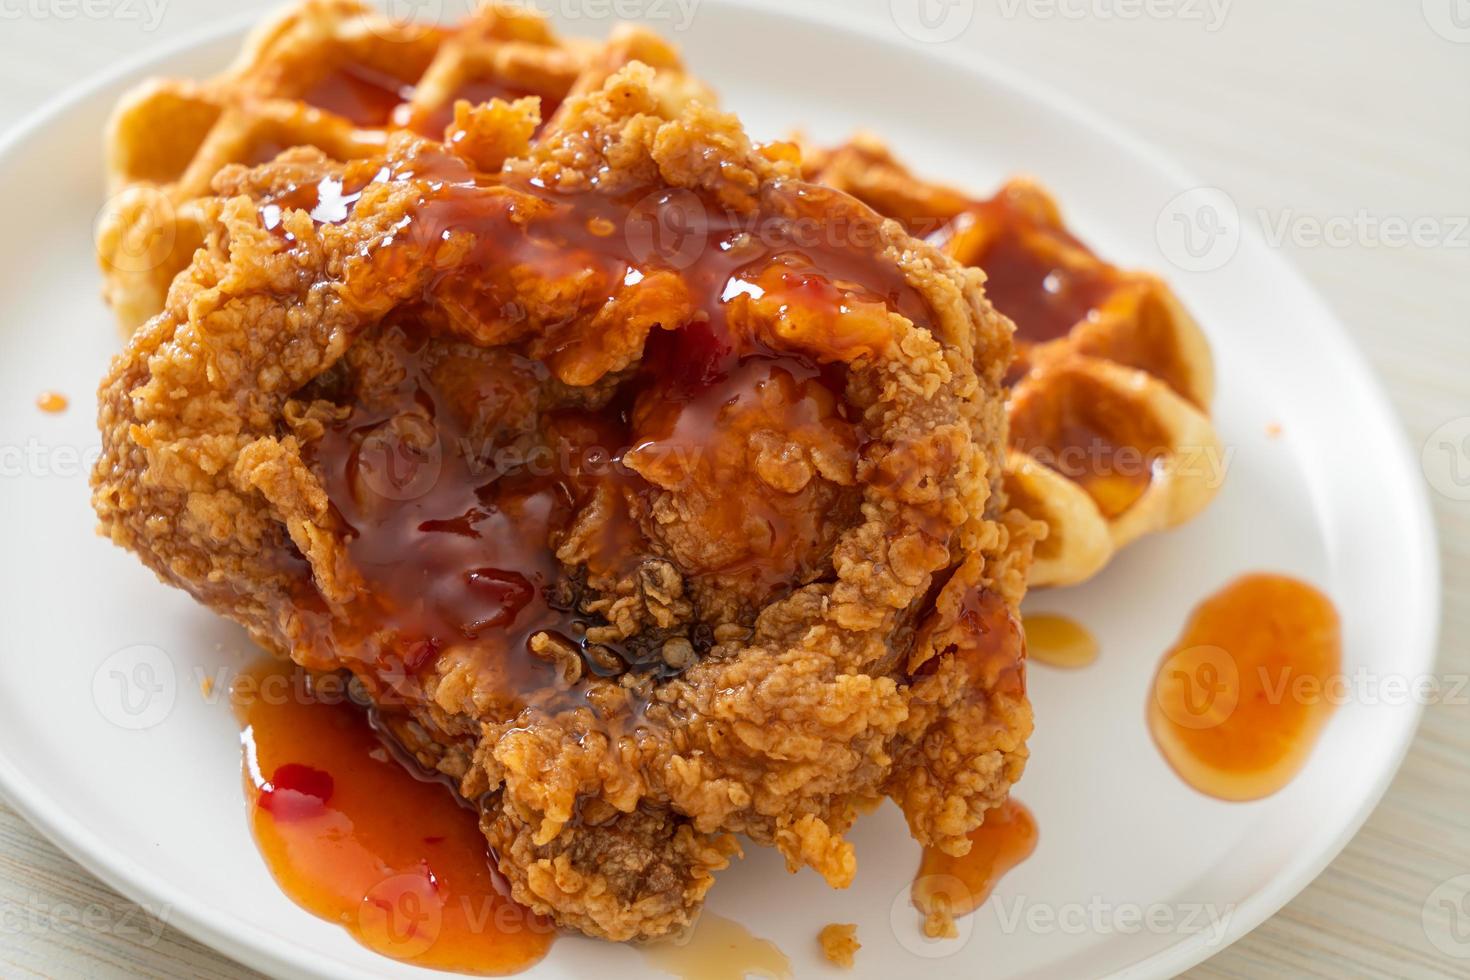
(158, 813)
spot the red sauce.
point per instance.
(704, 440)
(995, 649)
(947, 887)
(1115, 477)
(1240, 699)
(353, 836)
(1027, 277)
(263, 150)
(51, 401)
(1044, 299)
(751, 319)
(364, 96)
(984, 635)
(455, 550)
(1091, 434)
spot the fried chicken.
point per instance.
(650, 492)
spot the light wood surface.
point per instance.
(1320, 113)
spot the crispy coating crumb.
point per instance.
(839, 944)
(939, 918)
(874, 653)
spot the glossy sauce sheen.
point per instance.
(51, 401)
(1049, 283)
(458, 550)
(1045, 298)
(1085, 431)
(1241, 698)
(362, 95)
(994, 644)
(957, 886)
(351, 835)
(373, 98)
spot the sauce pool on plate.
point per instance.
(947, 887)
(355, 837)
(1240, 699)
(718, 949)
(1058, 641)
(51, 401)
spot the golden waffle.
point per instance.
(334, 75)
(1110, 439)
(331, 74)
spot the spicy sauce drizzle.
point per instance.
(351, 835)
(947, 887)
(756, 316)
(1241, 698)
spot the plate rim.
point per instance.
(258, 949)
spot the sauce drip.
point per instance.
(947, 887)
(351, 835)
(364, 96)
(451, 528)
(1242, 696)
(1058, 641)
(1028, 275)
(718, 949)
(1091, 434)
(51, 401)
(1044, 299)
(1113, 478)
(983, 635)
(749, 320)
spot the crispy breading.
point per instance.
(839, 944)
(708, 674)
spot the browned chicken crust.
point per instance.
(813, 609)
(839, 944)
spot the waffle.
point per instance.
(330, 74)
(1110, 439)
(1110, 392)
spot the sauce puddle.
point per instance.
(354, 837)
(1239, 701)
(947, 887)
(51, 401)
(1058, 641)
(718, 949)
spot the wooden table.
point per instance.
(1312, 115)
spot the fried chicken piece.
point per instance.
(650, 491)
(839, 944)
